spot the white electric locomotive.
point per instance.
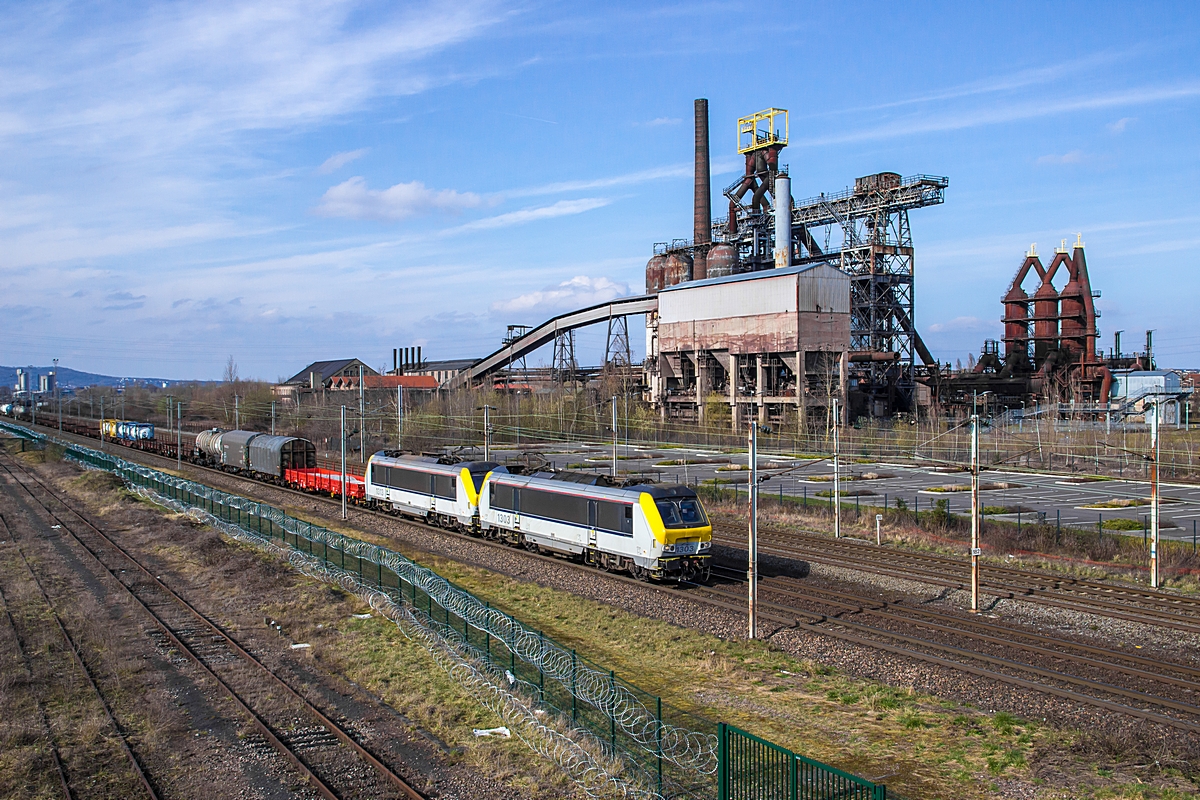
(443, 494)
(649, 531)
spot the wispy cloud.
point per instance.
(562, 208)
(578, 292)
(352, 199)
(642, 176)
(339, 160)
(195, 70)
(995, 115)
(1120, 125)
(659, 121)
(124, 301)
(1071, 157)
(995, 84)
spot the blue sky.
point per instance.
(294, 181)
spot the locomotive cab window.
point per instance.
(683, 512)
(502, 498)
(445, 486)
(615, 517)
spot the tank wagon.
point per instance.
(127, 431)
(259, 453)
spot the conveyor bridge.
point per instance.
(547, 331)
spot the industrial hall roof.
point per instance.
(749, 276)
(326, 369)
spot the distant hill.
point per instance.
(73, 378)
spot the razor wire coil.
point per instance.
(691, 750)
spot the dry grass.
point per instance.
(919, 745)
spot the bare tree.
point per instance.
(231, 371)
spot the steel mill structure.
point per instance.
(761, 352)
(1050, 353)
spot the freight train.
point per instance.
(648, 531)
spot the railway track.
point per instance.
(1155, 689)
(323, 752)
(1116, 601)
(1075, 674)
(117, 732)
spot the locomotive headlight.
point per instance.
(668, 548)
(705, 545)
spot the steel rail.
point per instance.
(816, 624)
(867, 560)
(983, 623)
(854, 604)
(736, 603)
(77, 657)
(1030, 585)
(336, 730)
(42, 716)
(1170, 601)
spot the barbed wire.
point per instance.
(689, 749)
(588, 770)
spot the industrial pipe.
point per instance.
(783, 221)
(702, 200)
(864, 356)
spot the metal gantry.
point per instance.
(865, 232)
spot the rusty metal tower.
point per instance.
(876, 248)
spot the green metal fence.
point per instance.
(672, 750)
(676, 754)
(750, 768)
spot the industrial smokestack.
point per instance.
(419, 357)
(702, 206)
(395, 361)
(783, 221)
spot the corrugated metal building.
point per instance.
(742, 340)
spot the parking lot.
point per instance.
(1058, 497)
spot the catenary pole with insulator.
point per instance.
(343, 462)
(178, 436)
(1154, 494)
(837, 474)
(752, 549)
(975, 550)
(614, 430)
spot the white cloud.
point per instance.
(339, 160)
(578, 292)
(562, 208)
(1073, 157)
(1120, 125)
(353, 199)
(182, 72)
(658, 121)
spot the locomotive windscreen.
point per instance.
(682, 512)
